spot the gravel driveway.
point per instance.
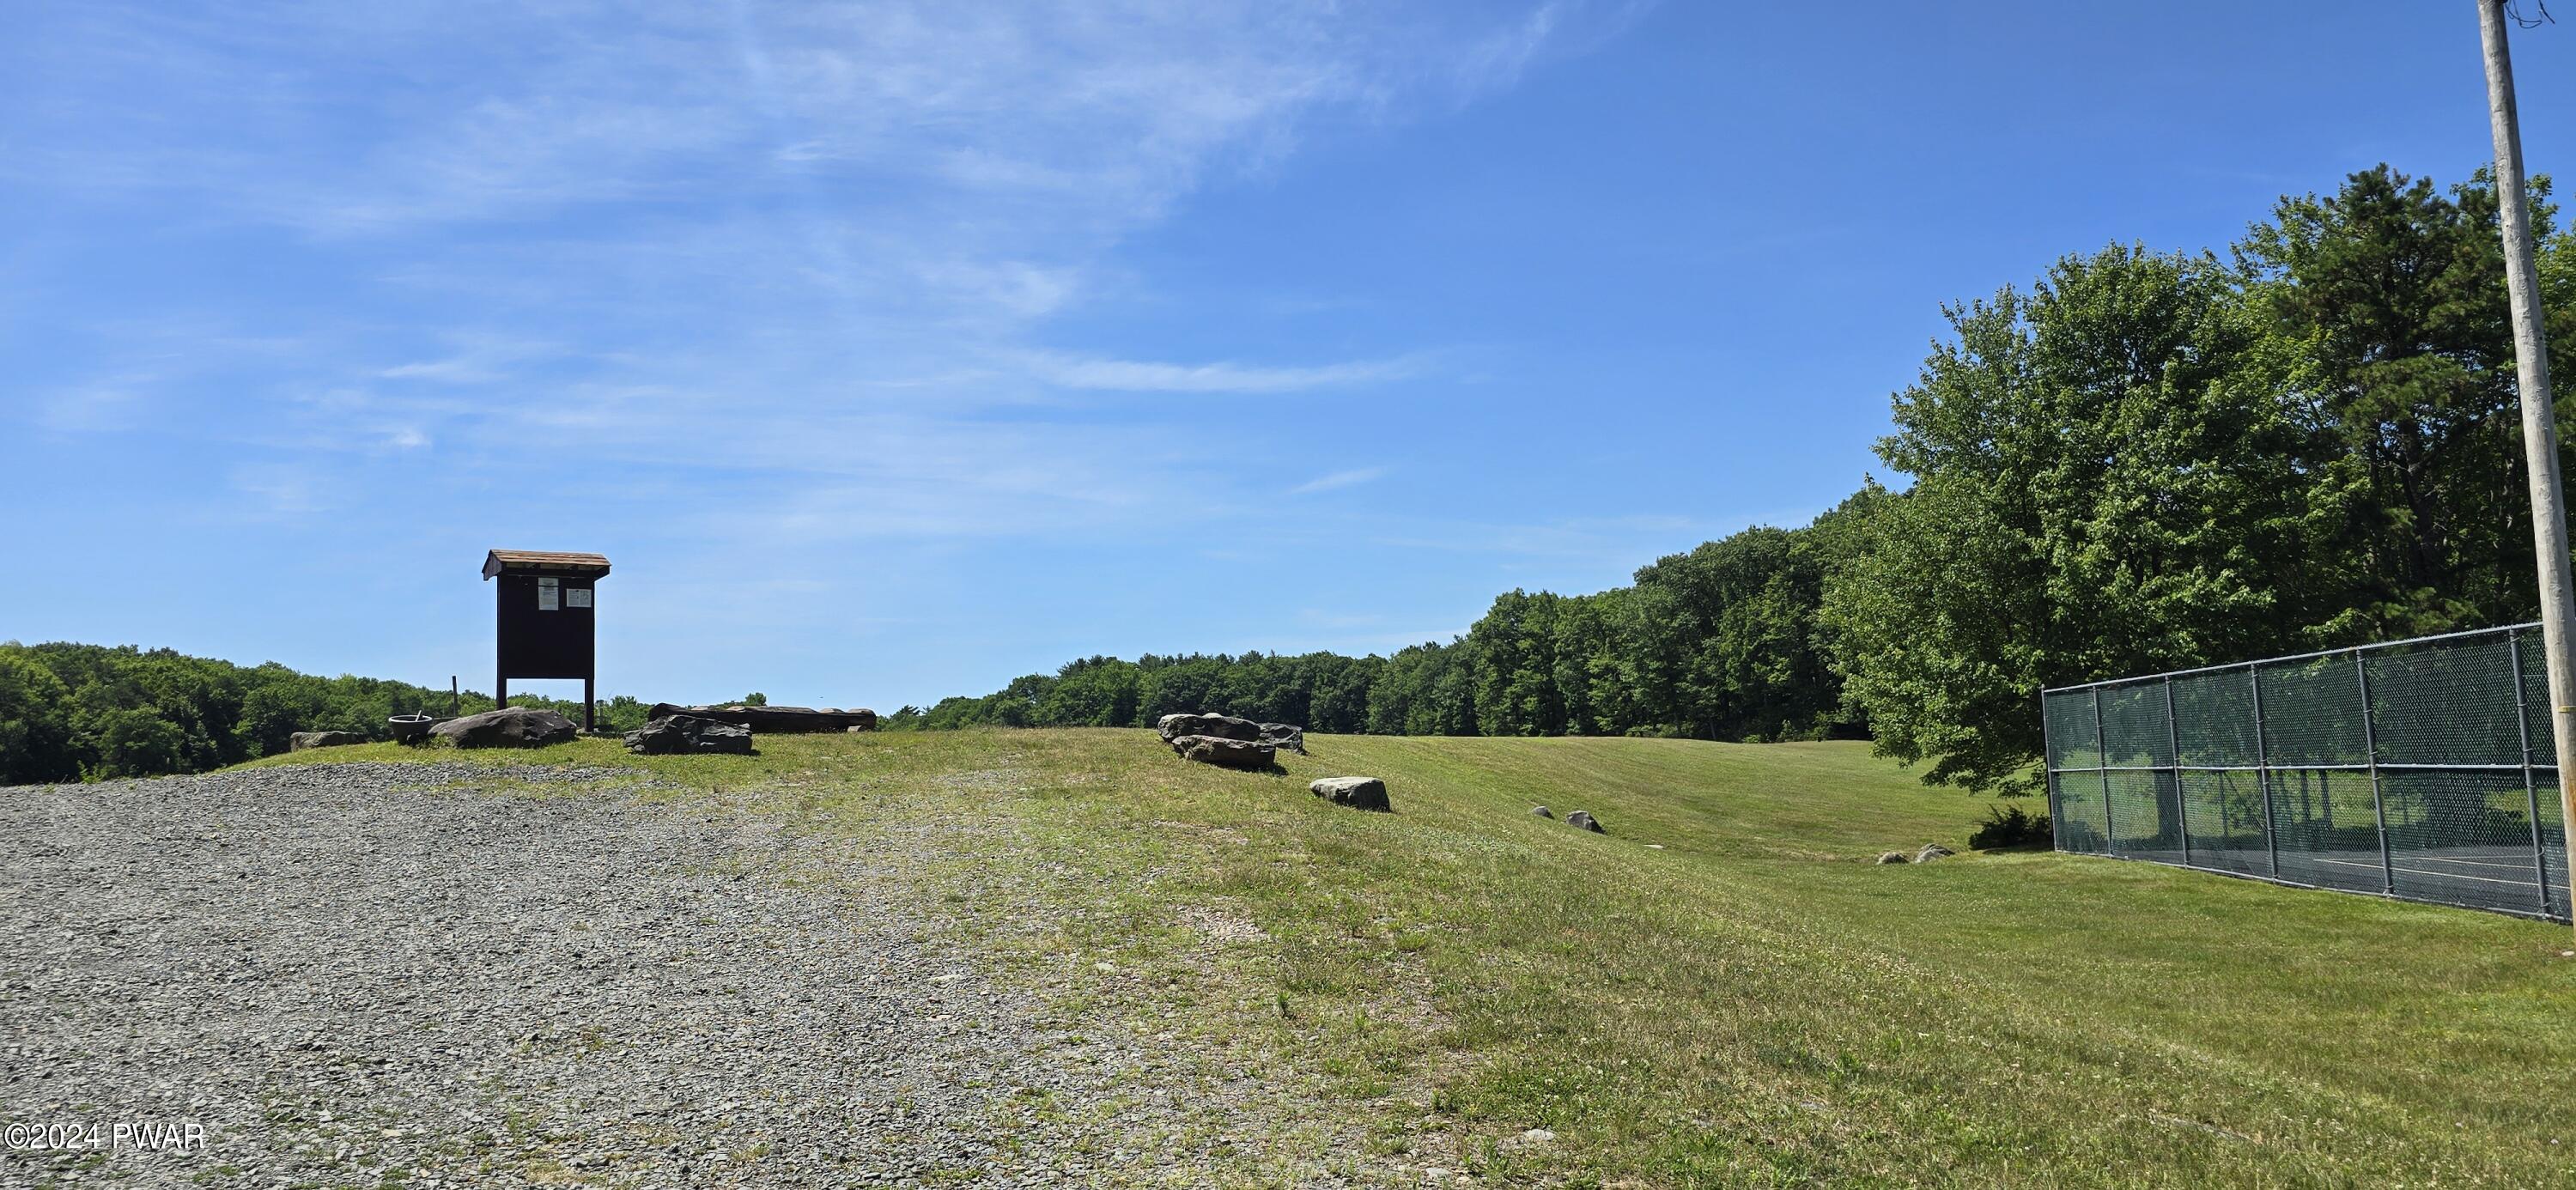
(452, 975)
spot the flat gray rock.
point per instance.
(1223, 727)
(1225, 753)
(775, 720)
(676, 735)
(508, 727)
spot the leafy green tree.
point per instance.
(624, 713)
(73, 711)
(2391, 294)
(274, 712)
(201, 699)
(1515, 666)
(953, 712)
(1094, 692)
(1426, 689)
(133, 742)
(1737, 628)
(2106, 482)
(1339, 702)
(1258, 687)
(1582, 644)
(35, 734)
(1176, 686)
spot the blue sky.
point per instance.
(893, 350)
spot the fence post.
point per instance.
(2530, 791)
(2370, 750)
(2263, 770)
(2102, 757)
(2048, 766)
(2173, 740)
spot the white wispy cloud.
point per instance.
(110, 404)
(1338, 479)
(476, 358)
(279, 489)
(1121, 375)
(700, 240)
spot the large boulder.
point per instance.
(1285, 736)
(509, 727)
(1583, 820)
(1932, 851)
(1218, 750)
(674, 735)
(1223, 727)
(322, 739)
(779, 720)
(1359, 793)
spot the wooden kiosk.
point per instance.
(546, 620)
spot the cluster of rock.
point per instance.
(1930, 852)
(1220, 740)
(1243, 744)
(781, 720)
(683, 734)
(1579, 819)
(1359, 793)
(673, 730)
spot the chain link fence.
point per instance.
(2421, 769)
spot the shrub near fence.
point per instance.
(2419, 769)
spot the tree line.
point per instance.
(1716, 643)
(2138, 461)
(72, 712)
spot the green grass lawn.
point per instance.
(1752, 1004)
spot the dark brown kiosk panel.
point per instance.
(548, 609)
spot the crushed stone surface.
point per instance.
(456, 975)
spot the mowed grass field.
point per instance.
(1751, 1003)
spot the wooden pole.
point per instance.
(2539, 423)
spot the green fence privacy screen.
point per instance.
(2418, 769)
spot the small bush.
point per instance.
(2008, 826)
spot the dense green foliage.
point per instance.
(1718, 643)
(73, 712)
(2142, 461)
(2149, 462)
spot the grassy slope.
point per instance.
(1753, 1004)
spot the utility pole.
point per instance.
(2539, 425)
